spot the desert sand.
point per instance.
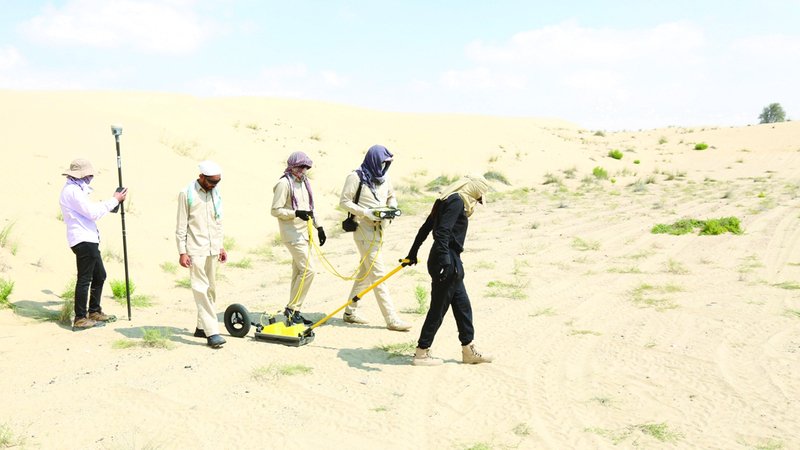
(606, 335)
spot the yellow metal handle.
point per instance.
(358, 297)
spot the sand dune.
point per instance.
(607, 336)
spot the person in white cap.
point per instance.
(79, 215)
(199, 237)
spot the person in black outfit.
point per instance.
(448, 221)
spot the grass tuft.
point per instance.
(263, 252)
(6, 287)
(5, 232)
(580, 244)
(399, 349)
(421, 296)
(151, 338)
(118, 288)
(549, 178)
(229, 243)
(169, 266)
(497, 176)
(701, 146)
(616, 154)
(279, 370)
(246, 263)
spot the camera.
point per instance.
(116, 129)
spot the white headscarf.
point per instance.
(471, 188)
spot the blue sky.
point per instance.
(603, 65)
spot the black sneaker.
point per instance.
(215, 341)
(199, 333)
(298, 318)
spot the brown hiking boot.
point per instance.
(100, 316)
(85, 323)
(425, 358)
(471, 355)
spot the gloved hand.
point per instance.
(446, 273)
(304, 215)
(321, 235)
(412, 257)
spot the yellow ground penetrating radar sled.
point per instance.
(279, 328)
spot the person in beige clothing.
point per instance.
(199, 237)
(293, 206)
(376, 191)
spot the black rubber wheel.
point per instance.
(237, 320)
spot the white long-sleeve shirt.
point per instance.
(80, 213)
(199, 231)
(385, 194)
(292, 228)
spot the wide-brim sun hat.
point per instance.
(80, 168)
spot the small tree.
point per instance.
(772, 113)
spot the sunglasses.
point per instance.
(212, 181)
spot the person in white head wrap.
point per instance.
(293, 206)
(365, 189)
(199, 237)
(448, 221)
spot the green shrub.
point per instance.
(118, 288)
(550, 178)
(497, 176)
(720, 226)
(680, 227)
(663, 140)
(709, 227)
(599, 133)
(600, 173)
(6, 287)
(636, 161)
(616, 154)
(441, 181)
(421, 295)
(69, 290)
(701, 146)
(67, 309)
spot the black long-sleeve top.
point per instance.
(449, 222)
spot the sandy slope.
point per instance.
(601, 328)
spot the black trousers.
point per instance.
(444, 294)
(91, 276)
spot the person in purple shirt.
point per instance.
(80, 215)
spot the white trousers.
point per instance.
(299, 252)
(202, 273)
(378, 271)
